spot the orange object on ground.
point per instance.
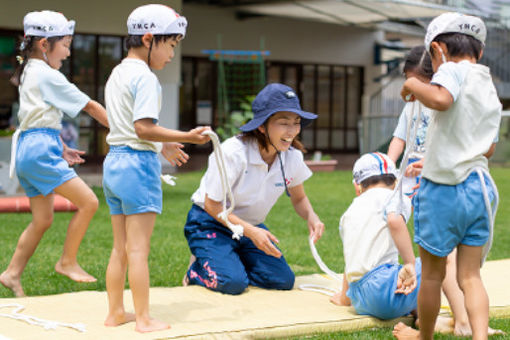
(22, 204)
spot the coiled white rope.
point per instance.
(32, 320)
(237, 230)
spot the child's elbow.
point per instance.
(143, 131)
(442, 102)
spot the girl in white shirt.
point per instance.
(42, 160)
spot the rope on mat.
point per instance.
(32, 320)
(237, 230)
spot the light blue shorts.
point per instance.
(131, 181)
(448, 215)
(39, 163)
(374, 294)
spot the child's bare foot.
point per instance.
(185, 279)
(113, 320)
(465, 330)
(445, 325)
(404, 332)
(152, 325)
(492, 331)
(13, 284)
(74, 272)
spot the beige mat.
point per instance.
(200, 314)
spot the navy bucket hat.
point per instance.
(272, 99)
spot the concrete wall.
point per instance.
(288, 40)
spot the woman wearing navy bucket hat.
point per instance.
(262, 163)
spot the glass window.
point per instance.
(8, 92)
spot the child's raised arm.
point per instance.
(432, 96)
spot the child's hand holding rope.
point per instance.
(407, 281)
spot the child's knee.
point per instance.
(41, 224)
(90, 205)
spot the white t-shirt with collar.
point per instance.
(458, 138)
(255, 187)
(366, 238)
(44, 94)
(132, 92)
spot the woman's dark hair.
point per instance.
(133, 41)
(419, 62)
(26, 48)
(263, 140)
(460, 45)
(387, 179)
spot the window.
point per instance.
(331, 91)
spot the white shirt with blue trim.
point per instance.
(45, 93)
(366, 238)
(410, 113)
(255, 186)
(458, 138)
(132, 92)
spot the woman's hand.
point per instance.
(316, 228)
(263, 240)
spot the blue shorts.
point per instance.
(374, 294)
(131, 181)
(448, 215)
(39, 163)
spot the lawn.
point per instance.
(330, 193)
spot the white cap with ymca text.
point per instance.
(47, 24)
(453, 22)
(156, 19)
(373, 164)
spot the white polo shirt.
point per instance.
(255, 186)
(132, 92)
(44, 93)
(366, 238)
(458, 138)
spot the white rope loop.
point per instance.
(32, 320)
(237, 230)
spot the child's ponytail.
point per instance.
(25, 48)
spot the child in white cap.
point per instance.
(374, 234)
(41, 159)
(261, 164)
(452, 208)
(132, 169)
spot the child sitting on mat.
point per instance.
(374, 233)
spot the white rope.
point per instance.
(32, 320)
(318, 289)
(491, 210)
(237, 230)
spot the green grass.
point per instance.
(330, 194)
